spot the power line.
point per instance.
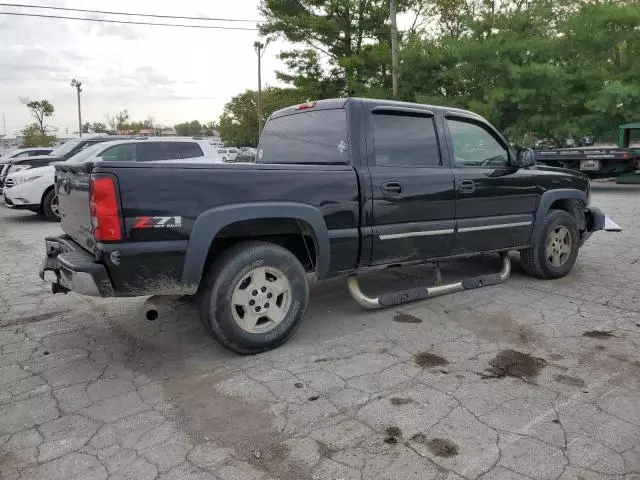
(104, 20)
(129, 14)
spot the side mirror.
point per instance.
(526, 158)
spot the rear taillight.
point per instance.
(105, 214)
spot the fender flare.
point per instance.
(547, 199)
(210, 222)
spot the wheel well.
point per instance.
(573, 207)
(44, 195)
(290, 233)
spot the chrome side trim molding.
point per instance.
(422, 233)
(492, 227)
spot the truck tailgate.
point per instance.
(72, 187)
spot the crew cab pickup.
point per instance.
(339, 187)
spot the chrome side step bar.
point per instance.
(421, 293)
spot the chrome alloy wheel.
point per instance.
(558, 246)
(261, 299)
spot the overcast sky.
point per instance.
(171, 74)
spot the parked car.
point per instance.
(33, 190)
(61, 153)
(7, 158)
(228, 154)
(340, 187)
(246, 154)
(26, 152)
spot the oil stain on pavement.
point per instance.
(401, 317)
(511, 363)
(427, 360)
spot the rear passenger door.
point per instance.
(495, 202)
(413, 191)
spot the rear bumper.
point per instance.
(69, 268)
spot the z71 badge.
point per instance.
(158, 222)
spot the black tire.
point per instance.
(535, 260)
(48, 209)
(215, 296)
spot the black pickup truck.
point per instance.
(339, 187)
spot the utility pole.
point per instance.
(77, 85)
(259, 48)
(394, 47)
(4, 124)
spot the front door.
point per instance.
(495, 202)
(413, 192)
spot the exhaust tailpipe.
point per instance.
(151, 314)
(152, 305)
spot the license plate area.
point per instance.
(590, 165)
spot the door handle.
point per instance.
(392, 188)
(466, 186)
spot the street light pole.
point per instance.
(75, 83)
(259, 47)
(394, 47)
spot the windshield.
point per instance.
(66, 147)
(83, 155)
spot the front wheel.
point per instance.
(50, 206)
(554, 248)
(254, 297)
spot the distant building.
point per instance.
(11, 141)
(167, 132)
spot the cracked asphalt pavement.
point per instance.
(528, 380)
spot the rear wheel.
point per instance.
(254, 297)
(50, 206)
(554, 250)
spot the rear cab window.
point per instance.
(310, 136)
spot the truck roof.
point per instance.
(342, 102)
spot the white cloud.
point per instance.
(172, 74)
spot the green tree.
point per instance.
(122, 121)
(545, 69)
(41, 111)
(239, 121)
(98, 127)
(346, 43)
(188, 129)
(210, 129)
(33, 137)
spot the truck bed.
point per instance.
(161, 202)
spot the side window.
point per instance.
(405, 140)
(125, 152)
(474, 146)
(42, 152)
(311, 136)
(23, 155)
(157, 151)
(189, 150)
